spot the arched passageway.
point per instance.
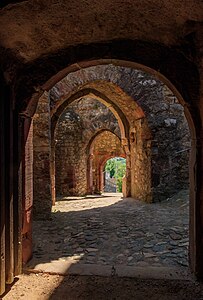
(79, 123)
(159, 115)
(131, 131)
(127, 120)
(104, 146)
(140, 127)
(193, 113)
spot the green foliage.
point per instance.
(117, 168)
(121, 169)
(111, 167)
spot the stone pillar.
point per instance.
(42, 148)
(89, 174)
(52, 171)
(125, 144)
(124, 186)
(27, 190)
(101, 178)
(140, 145)
(97, 178)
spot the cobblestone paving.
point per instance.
(109, 230)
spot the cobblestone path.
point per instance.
(109, 230)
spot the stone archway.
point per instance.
(103, 145)
(131, 122)
(89, 89)
(91, 93)
(171, 45)
(116, 75)
(133, 137)
(125, 187)
(127, 107)
(122, 127)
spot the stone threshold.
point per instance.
(69, 268)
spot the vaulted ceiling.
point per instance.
(34, 28)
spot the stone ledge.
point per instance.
(71, 268)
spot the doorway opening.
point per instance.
(114, 175)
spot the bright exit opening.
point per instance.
(114, 175)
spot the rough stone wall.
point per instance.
(170, 146)
(68, 155)
(140, 145)
(41, 164)
(80, 122)
(107, 144)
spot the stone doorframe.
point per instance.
(119, 115)
(99, 171)
(135, 134)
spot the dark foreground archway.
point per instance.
(183, 79)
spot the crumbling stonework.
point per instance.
(170, 147)
(140, 143)
(41, 153)
(69, 156)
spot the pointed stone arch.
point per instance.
(105, 156)
(131, 119)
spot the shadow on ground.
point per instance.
(114, 231)
(86, 288)
(113, 234)
(72, 198)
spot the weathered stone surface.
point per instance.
(41, 164)
(70, 23)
